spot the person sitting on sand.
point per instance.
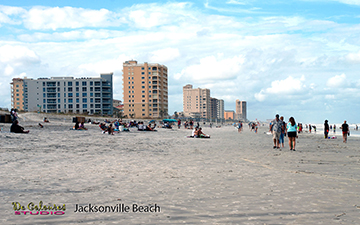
(149, 128)
(16, 128)
(46, 120)
(194, 132)
(40, 125)
(103, 127)
(199, 133)
(82, 126)
(110, 129)
(76, 127)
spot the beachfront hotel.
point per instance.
(196, 102)
(145, 90)
(65, 94)
(240, 109)
(217, 108)
(17, 94)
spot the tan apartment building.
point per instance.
(229, 115)
(240, 110)
(17, 94)
(196, 102)
(145, 90)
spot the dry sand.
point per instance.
(231, 178)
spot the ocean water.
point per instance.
(338, 132)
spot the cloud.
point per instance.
(43, 18)
(286, 87)
(337, 81)
(212, 68)
(14, 57)
(164, 55)
(7, 13)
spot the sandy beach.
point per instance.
(231, 178)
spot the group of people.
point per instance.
(344, 128)
(280, 129)
(197, 133)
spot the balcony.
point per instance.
(51, 90)
(155, 96)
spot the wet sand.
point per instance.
(230, 178)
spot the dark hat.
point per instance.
(277, 116)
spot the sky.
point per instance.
(295, 58)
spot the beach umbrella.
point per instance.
(152, 121)
(169, 120)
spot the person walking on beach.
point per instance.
(276, 126)
(345, 131)
(292, 134)
(326, 129)
(283, 132)
(334, 128)
(239, 127)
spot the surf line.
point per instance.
(299, 172)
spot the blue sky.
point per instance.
(295, 58)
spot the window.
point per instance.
(143, 110)
(91, 83)
(77, 94)
(64, 106)
(70, 84)
(59, 101)
(142, 91)
(91, 105)
(84, 106)
(142, 72)
(142, 86)
(44, 101)
(143, 96)
(43, 90)
(77, 106)
(70, 106)
(77, 83)
(70, 95)
(142, 78)
(83, 83)
(91, 89)
(77, 88)
(58, 95)
(84, 94)
(84, 89)
(77, 100)
(65, 100)
(70, 100)
(84, 100)
(69, 89)
(91, 100)
(142, 68)
(143, 82)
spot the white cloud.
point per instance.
(212, 68)
(164, 55)
(286, 87)
(337, 81)
(6, 13)
(39, 18)
(353, 57)
(15, 56)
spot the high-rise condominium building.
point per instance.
(240, 110)
(145, 89)
(17, 94)
(196, 102)
(68, 95)
(217, 108)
